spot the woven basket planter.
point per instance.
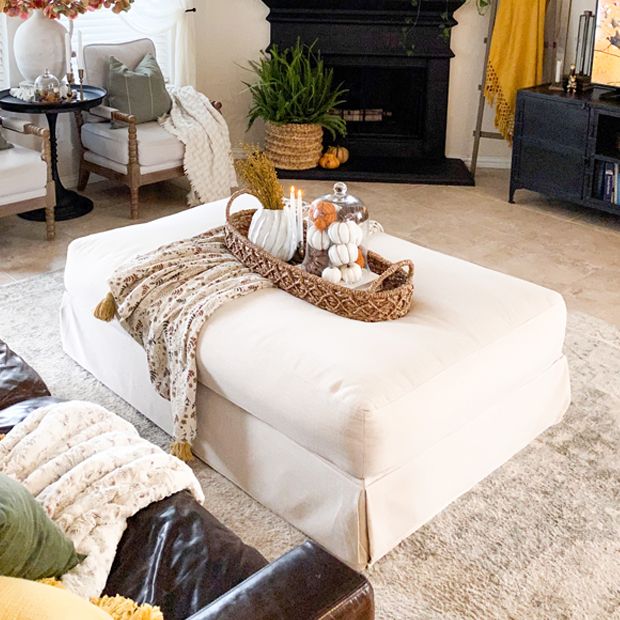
(294, 146)
(389, 297)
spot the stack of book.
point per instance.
(607, 182)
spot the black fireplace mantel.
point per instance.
(371, 44)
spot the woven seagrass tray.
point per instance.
(389, 297)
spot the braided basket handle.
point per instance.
(390, 271)
(234, 197)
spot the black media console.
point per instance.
(566, 145)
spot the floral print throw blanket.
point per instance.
(91, 471)
(163, 300)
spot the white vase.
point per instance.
(274, 231)
(39, 44)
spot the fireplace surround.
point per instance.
(397, 75)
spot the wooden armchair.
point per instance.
(137, 155)
(26, 176)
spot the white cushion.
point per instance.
(22, 171)
(155, 145)
(122, 168)
(366, 397)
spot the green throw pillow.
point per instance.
(31, 544)
(141, 92)
(4, 144)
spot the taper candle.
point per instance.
(80, 54)
(300, 218)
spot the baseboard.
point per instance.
(502, 163)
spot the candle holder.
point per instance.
(81, 76)
(70, 78)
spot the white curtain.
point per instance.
(152, 17)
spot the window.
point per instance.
(108, 27)
(4, 56)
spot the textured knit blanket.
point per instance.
(202, 129)
(90, 471)
(163, 300)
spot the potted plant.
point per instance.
(295, 95)
(40, 41)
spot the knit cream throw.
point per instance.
(163, 300)
(208, 161)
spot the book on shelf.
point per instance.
(608, 183)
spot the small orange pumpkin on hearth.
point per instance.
(323, 214)
(329, 161)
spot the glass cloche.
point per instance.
(47, 88)
(336, 237)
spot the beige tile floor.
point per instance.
(564, 247)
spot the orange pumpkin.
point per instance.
(323, 214)
(329, 161)
(360, 259)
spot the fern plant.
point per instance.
(295, 86)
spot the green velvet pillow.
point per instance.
(31, 544)
(4, 144)
(141, 91)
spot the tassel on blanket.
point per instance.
(52, 581)
(121, 608)
(106, 309)
(182, 450)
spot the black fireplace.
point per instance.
(394, 59)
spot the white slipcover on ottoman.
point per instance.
(356, 433)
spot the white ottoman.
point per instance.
(356, 433)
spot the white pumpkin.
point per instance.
(332, 274)
(351, 274)
(318, 239)
(343, 254)
(345, 232)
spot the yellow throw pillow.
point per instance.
(21, 599)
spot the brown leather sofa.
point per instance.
(177, 555)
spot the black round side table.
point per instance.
(69, 204)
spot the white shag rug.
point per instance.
(538, 539)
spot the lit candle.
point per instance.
(300, 218)
(68, 52)
(80, 58)
(291, 198)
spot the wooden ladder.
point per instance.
(478, 133)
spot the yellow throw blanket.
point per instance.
(516, 57)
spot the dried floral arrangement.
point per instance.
(260, 178)
(53, 9)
